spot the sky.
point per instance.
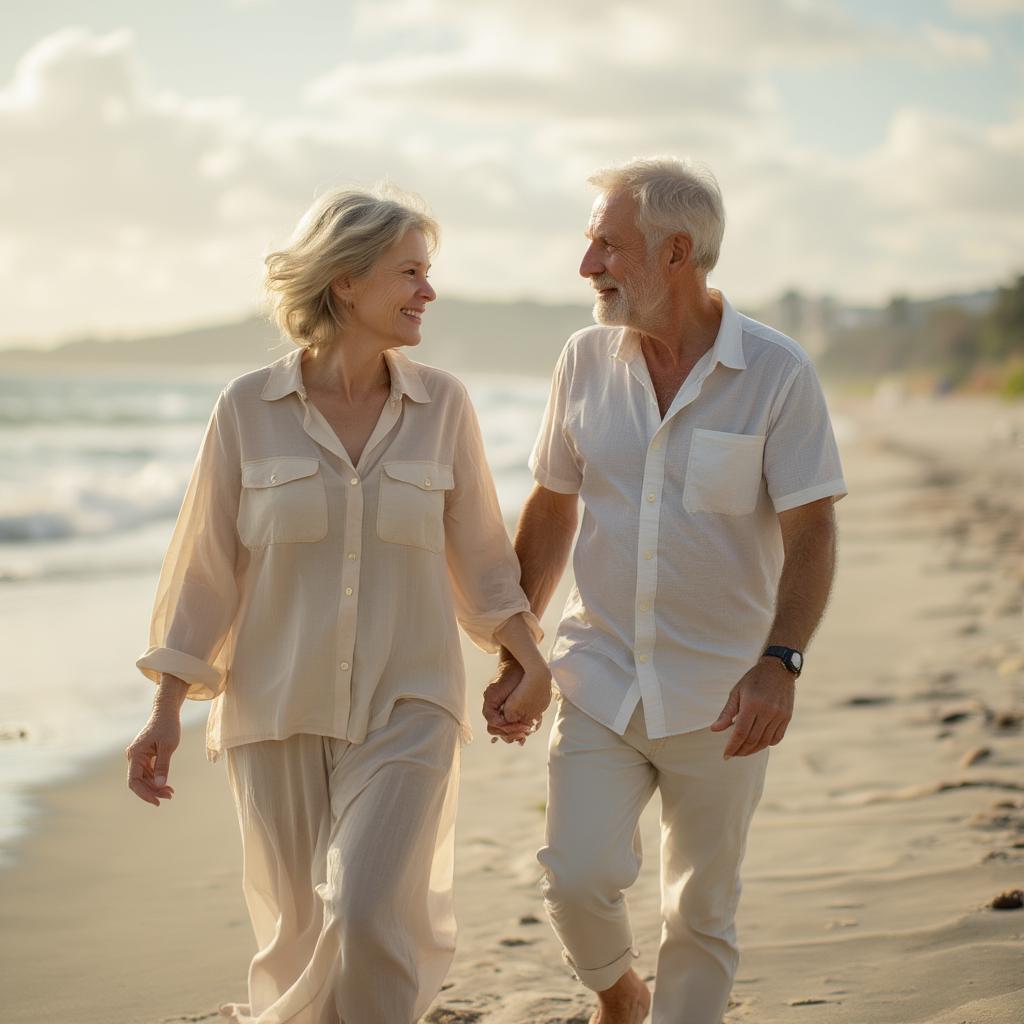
(152, 154)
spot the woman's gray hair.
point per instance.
(672, 195)
(342, 234)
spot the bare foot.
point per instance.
(627, 1002)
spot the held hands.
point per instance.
(760, 706)
(515, 701)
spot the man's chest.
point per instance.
(624, 439)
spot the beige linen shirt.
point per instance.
(680, 551)
(305, 594)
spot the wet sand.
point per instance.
(893, 813)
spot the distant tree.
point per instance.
(1003, 331)
(791, 311)
(898, 312)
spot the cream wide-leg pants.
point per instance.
(348, 855)
(598, 785)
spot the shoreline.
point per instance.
(873, 856)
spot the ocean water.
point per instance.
(93, 467)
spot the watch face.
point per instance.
(797, 659)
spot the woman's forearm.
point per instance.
(170, 693)
(515, 636)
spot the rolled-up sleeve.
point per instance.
(482, 563)
(554, 462)
(801, 459)
(197, 593)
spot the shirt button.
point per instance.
(273, 478)
(650, 497)
(645, 606)
(648, 555)
(348, 590)
(352, 556)
(426, 483)
(343, 666)
(642, 659)
(655, 445)
(354, 481)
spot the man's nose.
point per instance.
(591, 265)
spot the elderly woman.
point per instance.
(339, 520)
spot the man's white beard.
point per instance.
(634, 308)
(612, 310)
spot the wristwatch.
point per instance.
(793, 660)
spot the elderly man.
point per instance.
(699, 442)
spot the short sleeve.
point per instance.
(801, 458)
(197, 593)
(554, 461)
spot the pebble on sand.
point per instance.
(1013, 899)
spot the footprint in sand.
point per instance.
(975, 756)
(867, 700)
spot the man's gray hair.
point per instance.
(672, 195)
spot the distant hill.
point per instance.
(526, 337)
(502, 337)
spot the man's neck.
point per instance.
(685, 331)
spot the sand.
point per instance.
(893, 814)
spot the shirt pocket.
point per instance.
(724, 472)
(283, 501)
(411, 506)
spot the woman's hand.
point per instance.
(527, 703)
(149, 755)
(523, 703)
(508, 677)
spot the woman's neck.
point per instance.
(346, 369)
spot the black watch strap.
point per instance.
(791, 658)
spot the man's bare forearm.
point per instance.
(543, 544)
(807, 573)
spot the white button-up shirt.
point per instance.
(305, 594)
(680, 551)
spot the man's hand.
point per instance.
(760, 705)
(530, 699)
(510, 675)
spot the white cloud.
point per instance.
(956, 47)
(126, 207)
(987, 8)
(931, 207)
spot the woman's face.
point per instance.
(388, 302)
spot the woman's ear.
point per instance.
(341, 289)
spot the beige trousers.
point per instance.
(347, 870)
(598, 784)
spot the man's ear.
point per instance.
(680, 250)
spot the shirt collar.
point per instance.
(286, 377)
(727, 348)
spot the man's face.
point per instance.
(617, 264)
